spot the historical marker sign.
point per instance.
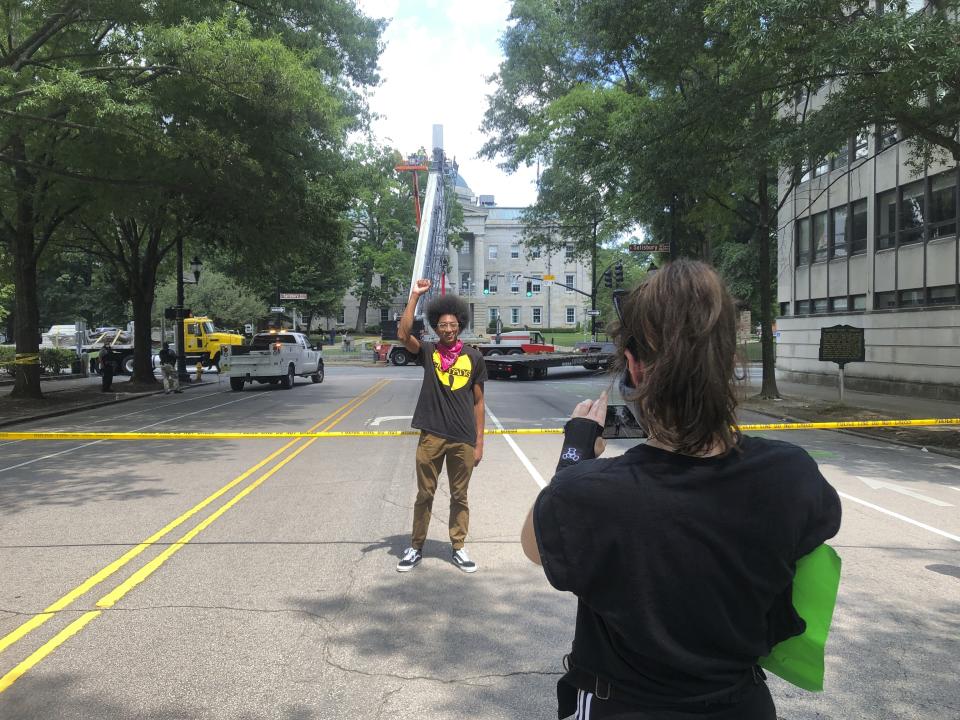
(841, 344)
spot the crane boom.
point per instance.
(430, 259)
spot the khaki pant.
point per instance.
(171, 381)
(431, 452)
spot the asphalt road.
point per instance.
(251, 579)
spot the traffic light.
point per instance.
(607, 278)
(529, 288)
(486, 286)
(618, 274)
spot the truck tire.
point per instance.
(591, 366)
(515, 351)
(128, 365)
(400, 357)
(317, 377)
(539, 373)
(493, 353)
(286, 382)
(236, 384)
(523, 373)
(215, 362)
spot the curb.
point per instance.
(946, 452)
(81, 408)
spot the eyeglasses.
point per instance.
(630, 342)
(447, 326)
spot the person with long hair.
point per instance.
(681, 551)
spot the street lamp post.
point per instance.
(195, 267)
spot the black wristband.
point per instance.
(579, 438)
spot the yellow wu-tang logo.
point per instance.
(455, 376)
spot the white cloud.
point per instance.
(434, 70)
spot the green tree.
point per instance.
(218, 296)
(166, 120)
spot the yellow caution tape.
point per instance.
(396, 433)
(23, 359)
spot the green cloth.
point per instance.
(799, 659)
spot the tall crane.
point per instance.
(431, 256)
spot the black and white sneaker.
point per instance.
(411, 558)
(463, 561)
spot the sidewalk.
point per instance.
(802, 402)
(65, 395)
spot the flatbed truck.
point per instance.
(534, 367)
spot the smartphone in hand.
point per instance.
(620, 423)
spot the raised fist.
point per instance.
(420, 287)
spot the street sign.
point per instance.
(549, 277)
(650, 247)
(293, 296)
(593, 313)
(278, 309)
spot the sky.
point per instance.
(433, 69)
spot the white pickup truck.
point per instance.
(273, 358)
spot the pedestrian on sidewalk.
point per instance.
(168, 369)
(681, 551)
(107, 360)
(449, 415)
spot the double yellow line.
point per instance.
(114, 596)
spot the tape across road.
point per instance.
(833, 425)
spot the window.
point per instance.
(838, 304)
(803, 307)
(384, 314)
(820, 305)
(536, 283)
(466, 248)
(514, 252)
(820, 237)
(821, 167)
(943, 205)
(859, 302)
(568, 252)
(493, 284)
(568, 279)
(493, 313)
(340, 316)
(946, 295)
(838, 232)
(804, 171)
(841, 157)
(886, 136)
(492, 251)
(571, 315)
(514, 316)
(514, 284)
(537, 315)
(860, 149)
(886, 219)
(784, 309)
(884, 300)
(465, 282)
(858, 227)
(803, 241)
(912, 206)
(911, 298)
(535, 253)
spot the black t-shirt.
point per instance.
(683, 566)
(445, 407)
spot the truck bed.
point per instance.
(534, 367)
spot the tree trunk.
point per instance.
(768, 388)
(364, 301)
(141, 297)
(27, 319)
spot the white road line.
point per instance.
(898, 516)
(153, 408)
(879, 484)
(537, 477)
(947, 465)
(145, 427)
(386, 418)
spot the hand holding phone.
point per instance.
(621, 423)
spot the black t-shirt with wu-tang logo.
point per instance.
(445, 407)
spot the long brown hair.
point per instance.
(680, 324)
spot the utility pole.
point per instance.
(593, 285)
(181, 345)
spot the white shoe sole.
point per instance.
(407, 568)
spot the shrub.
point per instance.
(54, 360)
(7, 355)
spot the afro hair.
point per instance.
(448, 305)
